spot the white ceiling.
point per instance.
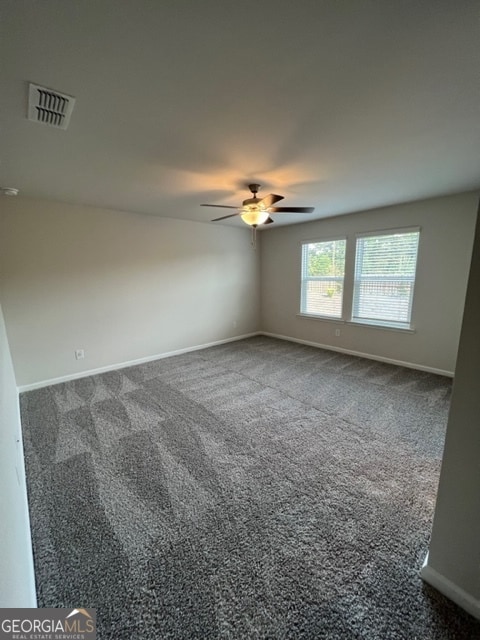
(339, 104)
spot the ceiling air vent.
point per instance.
(49, 107)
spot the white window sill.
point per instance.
(357, 323)
(374, 325)
(313, 316)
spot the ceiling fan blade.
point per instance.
(291, 209)
(269, 221)
(219, 206)
(232, 215)
(272, 198)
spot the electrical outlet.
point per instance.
(337, 332)
(79, 354)
(234, 324)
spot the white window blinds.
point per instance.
(323, 268)
(385, 266)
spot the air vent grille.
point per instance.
(49, 107)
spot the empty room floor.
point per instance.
(258, 489)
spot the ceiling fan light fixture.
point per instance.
(255, 217)
(255, 211)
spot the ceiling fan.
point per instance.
(255, 211)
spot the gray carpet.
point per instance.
(259, 489)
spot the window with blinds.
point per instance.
(385, 266)
(323, 268)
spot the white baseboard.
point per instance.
(169, 354)
(369, 356)
(130, 363)
(450, 590)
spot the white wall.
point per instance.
(454, 556)
(447, 228)
(17, 586)
(120, 286)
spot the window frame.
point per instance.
(349, 281)
(304, 279)
(382, 323)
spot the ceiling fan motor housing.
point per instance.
(254, 188)
(249, 201)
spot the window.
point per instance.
(385, 267)
(379, 281)
(323, 268)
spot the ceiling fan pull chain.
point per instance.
(254, 236)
